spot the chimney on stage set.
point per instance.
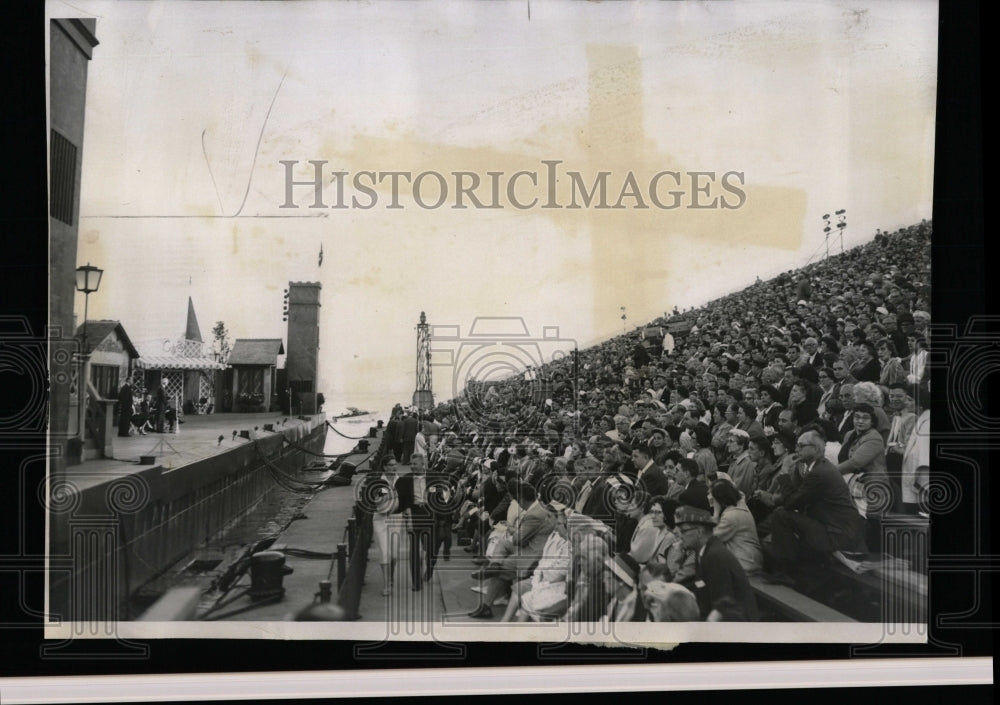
(302, 360)
(423, 397)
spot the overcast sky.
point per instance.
(191, 107)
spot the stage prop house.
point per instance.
(187, 369)
(108, 357)
(254, 362)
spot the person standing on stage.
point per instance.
(125, 409)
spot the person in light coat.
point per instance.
(735, 526)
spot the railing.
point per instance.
(94, 419)
(352, 559)
(99, 422)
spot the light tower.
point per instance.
(423, 396)
(841, 226)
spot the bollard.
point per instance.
(372, 432)
(352, 536)
(341, 564)
(267, 568)
(325, 591)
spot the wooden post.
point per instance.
(341, 564)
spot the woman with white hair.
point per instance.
(870, 393)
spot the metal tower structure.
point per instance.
(423, 396)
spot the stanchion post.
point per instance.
(352, 535)
(341, 564)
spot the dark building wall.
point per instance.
(302, 356)
(71, 47)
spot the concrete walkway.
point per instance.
(446, 597)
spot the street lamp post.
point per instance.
(88, 280)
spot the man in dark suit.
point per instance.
(160, 404)
(819, 517)
(427, 497)
(410, 428)
(814, 356)
(846, 398)
(394, 436)
(599, 503)
(695, 492)
(784, 388)
(649, 476)
(125, 409)
(842, 376)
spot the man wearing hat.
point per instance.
(720, 584)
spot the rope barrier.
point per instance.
(284, 479)
(350, 438)
(307, 451)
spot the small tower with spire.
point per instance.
(191, 330)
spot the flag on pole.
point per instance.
(320, 255)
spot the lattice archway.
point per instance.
(173, 386)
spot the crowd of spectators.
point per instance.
(648, 478)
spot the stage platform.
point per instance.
(197, 440)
